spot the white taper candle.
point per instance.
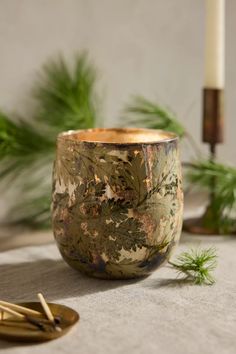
(215, 44)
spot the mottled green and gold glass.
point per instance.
(117, 200)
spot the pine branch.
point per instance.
(66, 96)
(197, 265)
(144, 113)
(65, 99)
(19, 139)
(222, 209)
(20, 145)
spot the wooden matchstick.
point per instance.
(21, 309)
(17, 324)
(46, 308)
(11, 312)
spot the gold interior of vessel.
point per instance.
(124, 136)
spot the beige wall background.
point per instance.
(150, 47)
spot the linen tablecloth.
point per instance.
(153, 315)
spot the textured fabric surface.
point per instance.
(148, 316)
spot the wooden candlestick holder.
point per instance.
(212, 134)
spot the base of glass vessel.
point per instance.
(119, 271)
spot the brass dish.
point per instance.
(24, 332)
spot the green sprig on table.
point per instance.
(197, 265)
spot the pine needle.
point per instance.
(65, 95)
(221, 179)
(197, 265)
(20, 146)
(65, 99)
(144, 113)
(20, 139)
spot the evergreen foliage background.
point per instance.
(65, 98)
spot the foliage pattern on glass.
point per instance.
(117, 210)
